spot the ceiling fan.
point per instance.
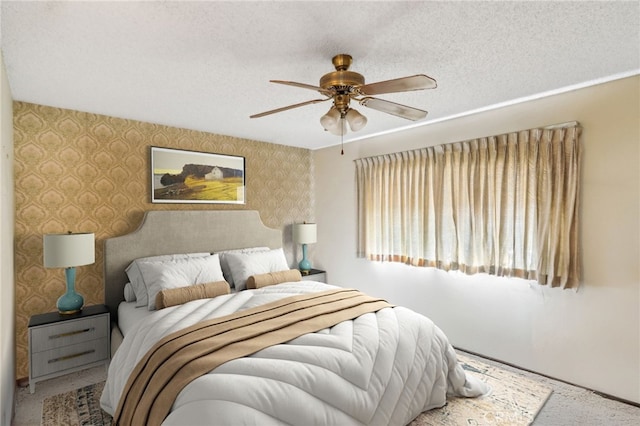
(343, 85)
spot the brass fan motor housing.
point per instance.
(341, 79)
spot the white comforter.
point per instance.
(379, 369)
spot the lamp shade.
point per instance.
(333, 122)
(356, 120)
(340, 129)
(304, 233)
(68, 250)
(330, 120)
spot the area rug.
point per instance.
(514, 400)
(80, 407)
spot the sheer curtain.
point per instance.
(505, 205)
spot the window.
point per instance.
(505, 205)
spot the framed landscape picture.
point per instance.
(179, 176)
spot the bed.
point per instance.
(272, 349)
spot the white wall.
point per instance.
(589, 337)
(7, 309)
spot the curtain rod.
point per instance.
(560, 125)
(549, 127)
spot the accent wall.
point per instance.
(83, 172)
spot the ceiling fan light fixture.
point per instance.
(330, 120)
(340, 129)
(356, 120)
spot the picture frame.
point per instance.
(183, 176)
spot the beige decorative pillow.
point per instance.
(180, 295)
(271, 278)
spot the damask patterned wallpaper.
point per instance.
(82, 172)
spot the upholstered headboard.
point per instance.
(181, 231)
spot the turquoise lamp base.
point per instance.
(304, 265)
(70, 302)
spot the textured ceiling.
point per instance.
(206, 65)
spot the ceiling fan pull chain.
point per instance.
(341, 136)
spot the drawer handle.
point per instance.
(72, 333)
(64, 358)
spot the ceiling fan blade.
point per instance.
(273, 111)
(404, 84)
(304, 86)
(393, 108)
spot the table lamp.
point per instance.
(304, 233)
(68, 251)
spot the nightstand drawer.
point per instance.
(69, 333)
(43, 363)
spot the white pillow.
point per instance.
(159, 276)
(129, 294)
(243, 265)
(225, 265)
(137, 280)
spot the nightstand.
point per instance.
(61, 344)
(315, 275)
